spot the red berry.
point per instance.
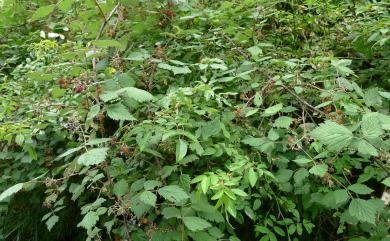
(79, 88)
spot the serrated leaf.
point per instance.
(93, 156)
(340, 196)
(362, 210)
(119, 112)
(319, 170)
(252, 141)
(258, 100)
(137, 94)
(93, 112)
(175, 69)
(302, 161)
(109, 95)
(283, 122)
(51, 222)
(181, 149)
(148, 197)
(171, 212)
(371, 127)
(173, 193)
(272, 110)
(360, 189)
(195, 223)
(333, 135)
(239, 192)
(386, 181)
(251, 112)
(11, 191)
(65, 5)
(252, 177)
(385, 94)
(121, 188)
(89, 220)
(366, 148)
(151, 184)
(106, 43)
(42, 12)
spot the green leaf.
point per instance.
(42, 12)
(151, 184)
(366, 148)
(252, 141)
(362, 210)
(93, 112)
(360, 189)
(239, 192)
(340, 196)
(181, 149)
(109, 95)
(319, 170)
(302, 161)
(195, 224)
(385, 94)
(11, 191)
(371, 127)
(106, 43)
(386, 181)
(283, 122)
(255, 51)
(89, 220)
(341, 66)
(119, 112)
(171, 212)
(176, 70)
(251, 112)
(51, 222)
(258, 100)
(148, 197)
(93, 156)
(252, 177)
(272, 110)
(333, 135)
(65, 5)
(173, 193)
(121, 188)
(137, 94)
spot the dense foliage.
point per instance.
(194, 120)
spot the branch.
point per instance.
(302, 100)
(101, 11)
(107, 19)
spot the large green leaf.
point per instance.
(196, 223)
(173, 193)
(273, 110)
(119, 112)
(363, 210)
(93, 156)
(89, 220)
(148, 197)
(175, 69)
(181, 149)
(137, 94)
(371, 126)
(42, 12)
(333, 135)
(11, 191)
(360, 189)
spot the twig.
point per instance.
(100, 10)
(302, 100)
(107, 19)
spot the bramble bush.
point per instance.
(194, 120)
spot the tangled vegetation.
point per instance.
(198, 120)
